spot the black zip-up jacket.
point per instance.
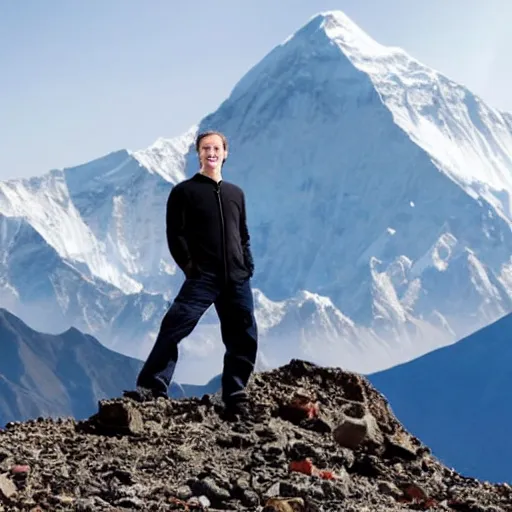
(207, 228)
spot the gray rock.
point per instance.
(7, 487)
(389, 488)
(212, 490)
(242, 484)
(311, 489)
(184, 492)
(353, 432)
(338, 489)
(121, 417)
(130, 502)
(273, 490)
(85, 505)
(250, 498)
(201, 501)
(297, 450)
(398, 450)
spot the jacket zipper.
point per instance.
(223, 233)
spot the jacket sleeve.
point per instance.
(246, 239)
(175, 228)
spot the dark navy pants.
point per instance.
(235, 308)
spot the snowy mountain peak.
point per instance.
(329, 52)
(340, 29)
(166, 157)
(433, 110)
(336, 27)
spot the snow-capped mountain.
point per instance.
(377, 193)
(51, 294)
(374, 181)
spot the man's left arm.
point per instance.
(246, 239)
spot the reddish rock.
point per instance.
(302, 406)
(414, 492)
(307, 467)
(302, 466)
(20, 469)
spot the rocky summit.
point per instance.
(314, 439)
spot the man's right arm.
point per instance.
(175, 228)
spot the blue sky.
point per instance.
(81, 79)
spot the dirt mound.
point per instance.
(317, 439)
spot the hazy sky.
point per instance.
(79, 79)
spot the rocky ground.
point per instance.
(318, 439)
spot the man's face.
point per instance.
(211, 152)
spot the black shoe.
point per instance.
(144, 394)
(238, 410)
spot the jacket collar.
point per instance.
(206, 179)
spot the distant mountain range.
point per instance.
(56, 375)
(456, 400)
(64, 375)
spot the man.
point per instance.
(208, 238)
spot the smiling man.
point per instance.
(208, 238)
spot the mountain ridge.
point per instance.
(52, 375)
